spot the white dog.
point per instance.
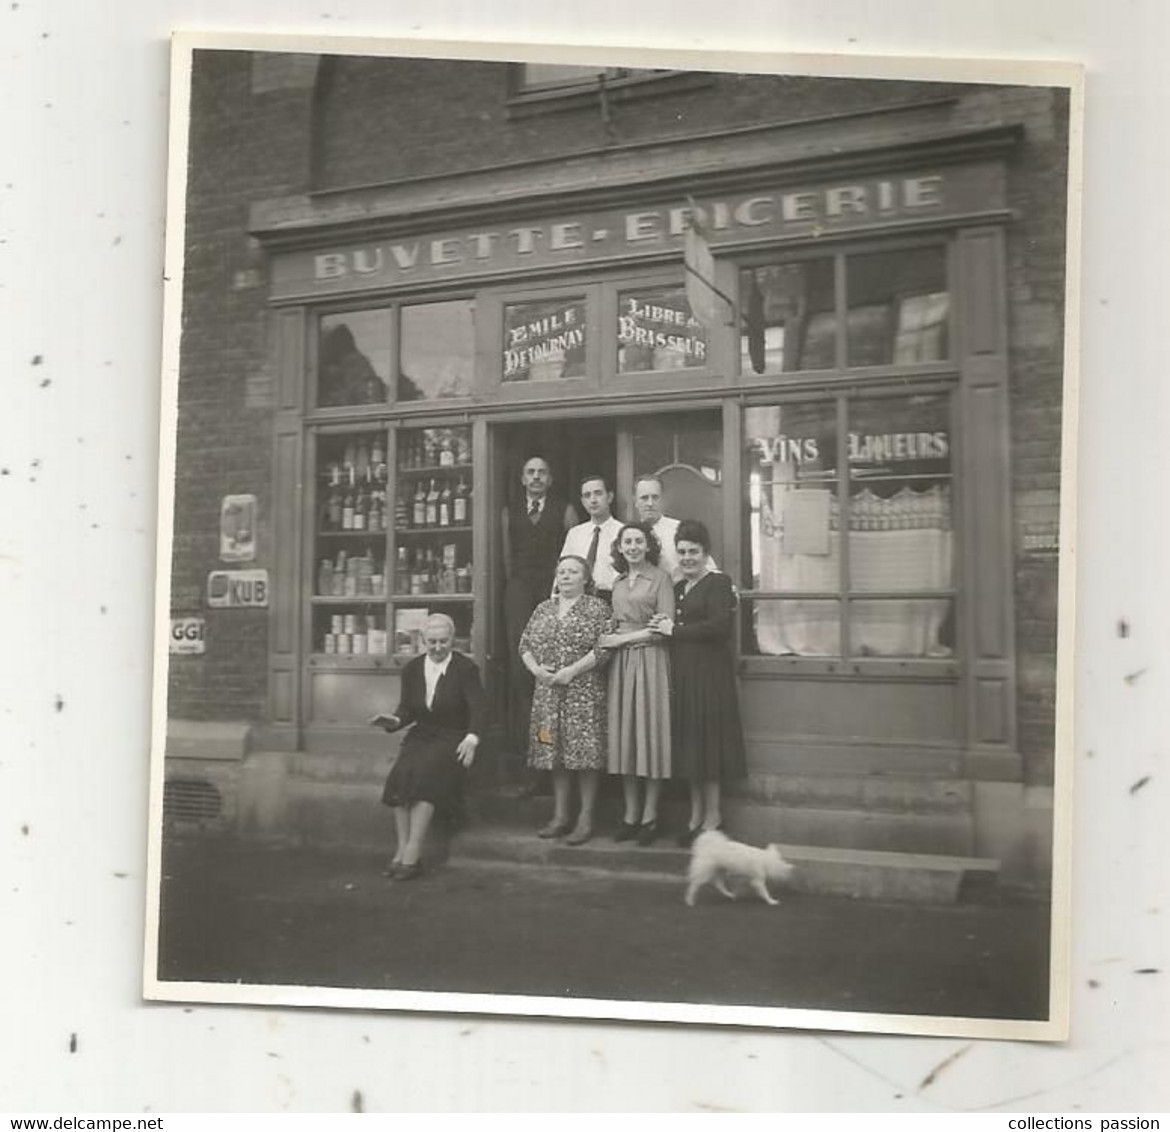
(714, 856)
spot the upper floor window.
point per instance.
(554, 77)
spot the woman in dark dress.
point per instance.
(443, 704)
(705, 722)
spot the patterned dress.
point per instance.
(639, 678)
(568, 726)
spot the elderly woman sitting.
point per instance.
(443, 704)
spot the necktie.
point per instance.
(534, 512)
(591, 557)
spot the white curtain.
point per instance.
(904, 542)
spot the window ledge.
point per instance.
(856, 668)
(525, 104)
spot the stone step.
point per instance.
(856, 873)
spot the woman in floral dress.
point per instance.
(559, 646)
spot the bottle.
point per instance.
(419, 514)
(347, 512)
(402, 571)
(339, 571)
(334, 474)
(445, 504)
(333, 509)
(378, 460)
(459, 504)
(362, 463)
(446, 454)
(431, 517)
(359, 510)
(377, 510)
(348, 462)
(325, 578)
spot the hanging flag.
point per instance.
(708, 303)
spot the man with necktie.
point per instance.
(593, 539)
(531, 535)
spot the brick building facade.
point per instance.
(294, 159)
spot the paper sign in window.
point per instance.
(806, 521)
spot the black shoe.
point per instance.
(627, 831)
(647, 831)
(687, 838)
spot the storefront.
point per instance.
(384, 319)
(841, 427)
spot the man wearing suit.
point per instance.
(531, 536)
(442, 702)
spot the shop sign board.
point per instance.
(766, 214)
(188, 636)
(237, 589)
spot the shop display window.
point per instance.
(545, 341)
(437, 354)
(657, 331)
(350, 562)
(886, 481)
(433, 515)
(353, 358)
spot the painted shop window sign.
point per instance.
(887, 483)
(544, 341)
(898, 307)
(354, 358)
(237, 528)
(657, 331)
(787, 317)
(437, 356)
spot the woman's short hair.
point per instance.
(691, 530)
(589, 586)
(439, 619)
(653, 547)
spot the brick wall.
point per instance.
(269, 129)
(1037, 178)
(247, 142)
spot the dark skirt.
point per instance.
(705, 724)
(427, 770)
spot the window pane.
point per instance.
(353, 358)
(791, 468)
(542, 76)
(544, 341)
(409, 620)
(903, 627)
(899, 307)
(438, 351)
(900, 529)
(792, 628)
(656, 331)
(787, 319)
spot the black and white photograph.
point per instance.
(615, 514)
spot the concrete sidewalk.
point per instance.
(235, 910)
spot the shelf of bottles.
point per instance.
(353, 520)
(432, 522)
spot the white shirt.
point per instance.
(529, 500)
(665, 530)
(577, 542)
(432, 672)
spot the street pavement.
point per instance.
(235, 910)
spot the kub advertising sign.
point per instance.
(233, 589)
